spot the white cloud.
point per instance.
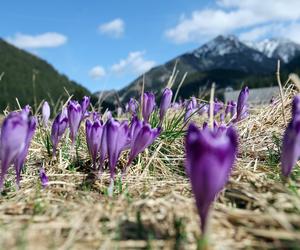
(290, 31)
(134, 63)
(114, 28)
(45, 40)
(97, 72)
(257, 33)
(233, 16)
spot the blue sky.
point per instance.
(107, 44)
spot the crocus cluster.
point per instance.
(16, 133)
(108, 140)
(71, 117)
(291, 140)
(210, 154)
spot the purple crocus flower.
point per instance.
(148, 105)
(232, 110)
(188, 113)
(43, 177)
(291, 140)
(116, 139)
(103, 147)
(13, 140)
(93, 138)
(242, 105)
(59, 127)
(227, 108)
(45, 114)
(74, 117)
(218, 106)
(132, 106)
(209, 159)
(19, 161)
(85, 103)
(142, 138)
(190, 109)
(165, 103)
(95, 116)
(135, 127)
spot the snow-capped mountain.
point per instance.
(228, 51)
(277, 48)
(223, 45)
(225, 60)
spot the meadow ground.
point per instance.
(153, 208)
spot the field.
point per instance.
(153, 208)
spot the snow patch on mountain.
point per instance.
(219, 46)
(277, 48)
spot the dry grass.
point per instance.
(154, 207)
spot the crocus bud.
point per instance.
(14, 132)
(103, 147)
(227, 108)
(188, 113)
(117, 138)
(45, 114)
(232, 108)
(132, 106)
(135, 127)
(59, 127)
(148, 105)
(43, 177)
(19, 162)
(93, 138)
(85, 103)
(165, 103)
(209, 160)
(242, 105)
(218, 105)
(291, 140)
(142, 138)
(74, 117)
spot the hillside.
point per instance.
(225, 60)
(19, 67)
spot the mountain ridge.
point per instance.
(234, 61)
(19, 66)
